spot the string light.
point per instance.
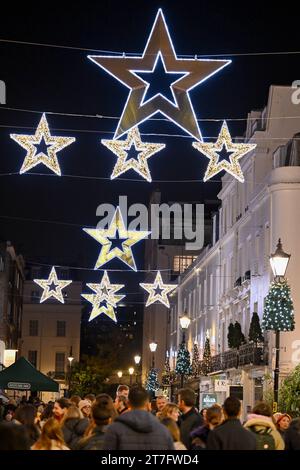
(130, 237)
(46, 284)
(30, 142)
(126, 69)
(161, 296)
(121, 148)
(236, 151)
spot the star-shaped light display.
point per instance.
(52, 287)
(138, 108)
(104, 293)
(51, 145)
(158, 291)
(130, 237)
(121, 147)
(235, 151)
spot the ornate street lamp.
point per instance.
(153, 347)
(131, 371)
(184, 321)
(119, 374)
(279, 262)
(70, 359)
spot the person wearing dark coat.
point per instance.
(213, 418)
(231, 435)
(190, 418)
(137, 429)
(73, 426)
(292, 435)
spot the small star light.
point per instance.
(236, 151)
(52, 143)
(105, 292)
(121, 147)
(47, 284)
(158, 291)
(130, 237)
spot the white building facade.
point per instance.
(51, 330)
(230, 279)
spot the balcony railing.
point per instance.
(251, 354)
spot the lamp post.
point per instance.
(153, 347)
(137, 360)
(184, 323)
(119, 374)
(131, 371)
(70, 359)
(279, 262)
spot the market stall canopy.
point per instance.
(22, 375)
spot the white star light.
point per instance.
(30, 142)
(105, 292)
(126, 69)
(46, 283)
(158, 297)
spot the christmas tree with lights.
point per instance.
(152, 383)
(279, 309)
(206, 362)
(195, 361)
(183, 363)
(166, 375)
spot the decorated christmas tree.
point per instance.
(206, 363)
(279, 309)
(195, 361)
(183, 363)
(152, 380)
(255, 333)
(166, 375)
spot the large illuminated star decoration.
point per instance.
(116, 231)
(138, 107)
(51, 145)
(235, 152)
(52, 287)
(121, 148)
(158, 291)
(104, 299)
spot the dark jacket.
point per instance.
(230, 435)
(94, 441)
(199, 437)
(73, 430)
(137, 430)
(292, 435)
(189, 421)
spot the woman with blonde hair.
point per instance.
(175, 433)
(170, 410)
(73, 426)
(51, 437)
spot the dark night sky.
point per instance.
(62, 80)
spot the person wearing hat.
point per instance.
(85, 407)
(282, 423)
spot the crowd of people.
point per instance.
(133, 422)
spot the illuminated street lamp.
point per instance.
(70, 359)
(119, 374)
(131, 371)
(279, 262)
(184, 323)
(153, 347)
(137, 360)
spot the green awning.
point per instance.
(22, 375)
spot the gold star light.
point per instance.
(158, 291)
(127, 69)
(53, 144)
(121, 148)
(105, 292)
(47, 284)
(236, 152)
(130, 237)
